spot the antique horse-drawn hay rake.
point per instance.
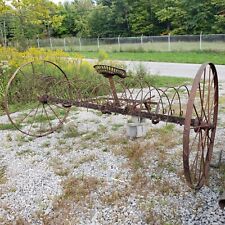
(50, 94)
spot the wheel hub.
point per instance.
(199, 125)
(43, 99)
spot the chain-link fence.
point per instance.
(215, 42)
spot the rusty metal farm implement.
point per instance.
(51, 95)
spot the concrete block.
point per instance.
(135, 119)
(136, 130)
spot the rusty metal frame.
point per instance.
(144, 102)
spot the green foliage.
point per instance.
(218, 26)
(142, 18)
(102, 55)
(100, 21)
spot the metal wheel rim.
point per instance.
(209, 140)
(7, 105)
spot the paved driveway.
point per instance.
(170, 69)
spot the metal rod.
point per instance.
(113, 88)
(124, 111)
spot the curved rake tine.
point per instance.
(179, 100)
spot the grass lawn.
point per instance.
(165, 81)
(179, 57)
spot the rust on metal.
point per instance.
(195, 108)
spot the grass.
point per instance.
(164, 137)
(84, 159)
(90, 136)
(21, 138)
(40, 119)
(58, 167)
(76, 192)
(135, 152)
(27, 152)
(115, 197)
(166, 81)
(117, 126)
(18, 107)
(71, 132)
(115, 140)
(8, 126)
(78, 189)
(3, 178)
(216, 57)
(46, 144)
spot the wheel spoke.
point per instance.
(202, 105)
(202, 162)
(33, 119)
(207, 105)
(21, 121)
(196, 112)
(55, 113)
(41, 120)
(195, 162)
(190, 149)
(49, 122)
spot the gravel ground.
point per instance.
(97, 176)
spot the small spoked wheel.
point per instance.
(37, 99)
(200, 126)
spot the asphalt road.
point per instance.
(169, 69)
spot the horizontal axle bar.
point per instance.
(123, 111)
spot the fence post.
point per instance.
(50, 40)
(2, 36)
(64, 44)
(142, 40)
(169, 43)
(5, 37)
(200, 41)
(119, 42)
(38, 42)
(80, 43)
(98, 42)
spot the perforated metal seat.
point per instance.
(109, 71)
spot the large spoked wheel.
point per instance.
(200, 126)
(37, 98)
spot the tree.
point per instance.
(142, 18)
(219, 25)
(104, 2)
(83, 9)
(199, 16)
(3, 6)
(35, 16)
(4, 21)
(100, 21)
(170, 15)
(120, 15)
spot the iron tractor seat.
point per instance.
(110, 71)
